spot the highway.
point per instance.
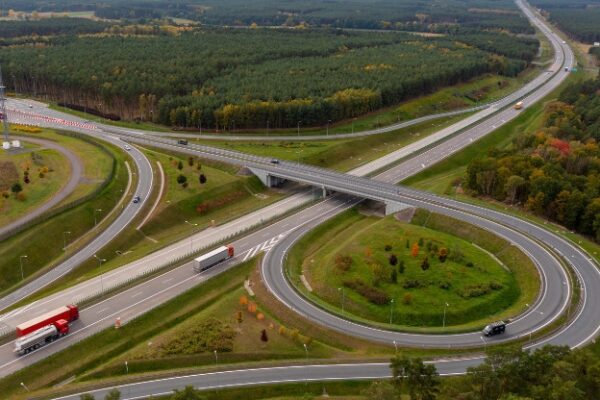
(579, 332)
(129, 212)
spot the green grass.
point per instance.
(43, 242)
(40, 189)
(316, 258)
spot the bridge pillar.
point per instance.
(393, 207)
(266, 178)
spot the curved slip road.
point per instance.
(63, 193)
(126, 215)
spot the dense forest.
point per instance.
(554, 172)
(371, 14)
(50, 26)
(580, 18)
(231, 78)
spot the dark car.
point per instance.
(494, 329)
(136, 199)
(274, 161)
(182, 141)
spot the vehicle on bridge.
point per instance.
(495, 328)
(212, 258)
(67, 313)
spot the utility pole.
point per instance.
(3, 115)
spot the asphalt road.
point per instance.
(129, 212)
(74, 178)
(380, 191)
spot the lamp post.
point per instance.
(192, 236)
(484, 343)
(216, 358)
(391, 310)
(444, 320)
(24, 386)
(95, 215)
(341, 289)
(100, 261)
(21, 264)
(396, 346)
(65, 239)
(305, 350)
(126, 367)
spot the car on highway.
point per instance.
(127, 147)
(274, 161)
(495, 328)
(182, 141)
(136, 199)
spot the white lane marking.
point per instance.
(102, 310)
(264, 246)
(133, 296)
(167, 280)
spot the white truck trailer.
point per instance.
(37, 339)
(216, 256)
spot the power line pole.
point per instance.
(3, 115)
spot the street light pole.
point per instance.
(216, 359)
(65, 239)
(24, 386)
(192, 236)
(100, 261)
(444, 321)
(305, 350)
(391, 310)
(21, 263)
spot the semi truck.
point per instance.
(519, 105)
(67, 313)
(40, 337)
(216, 256)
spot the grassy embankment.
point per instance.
(468, 290)
(43, 243)
(48, 172)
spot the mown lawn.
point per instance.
(48, 172)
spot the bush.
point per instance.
(206, 336)
(21, 196)
(495, 285)
(372, 294)
(443, 254)
(388, 247)
(393, 260)
(444, 285)
(394, 276)
(470, 264)
(425, 264)
(407, 299)
(343, 262)
(412, 284)
(472, 291)
(401, 267)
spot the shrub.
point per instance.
(472, 291)
(411, 284)
(191, 161)
(202, 179)
(443, 254)
(243, 300)
(394, 276)
(263, 336)
(470, 264)
(181, 179)
(388, 247)
(380, 273)
(414, 251)
(393, 260)
(425, 264)
(21, 196)
(282, 331)
(401, 267)
(495, 285)
(5, 194)
(407, 299)
(343, 262)
(205, 336)
(444, 285)
(372, 294)
(421, 242)
(180, 165)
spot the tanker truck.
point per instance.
(40, 337)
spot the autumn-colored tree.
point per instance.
(368, 252)
(407, 298)
(260, 316)
(425, 264)
(414, 251)
(180, 165)
(243, 300)
(443, 254)
(252, 307)
(191, 161)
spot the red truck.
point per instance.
(67, 313)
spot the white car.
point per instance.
(127, 147)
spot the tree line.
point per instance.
(579, 18)
(230, 79)
(555, 171)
